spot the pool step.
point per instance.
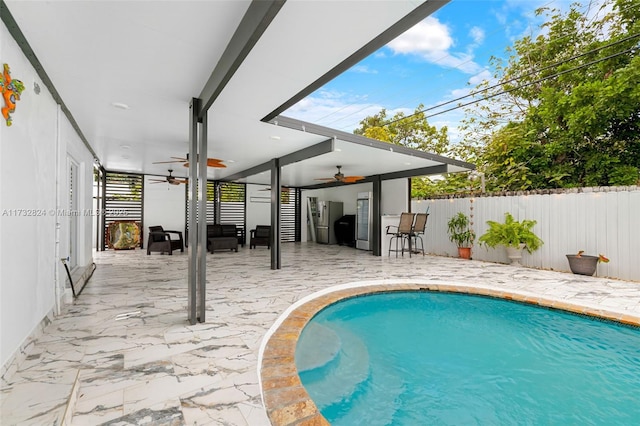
(335, 368)
(337, 379)
(381, 385)
(317, 347)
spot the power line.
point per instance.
(519, 77)
(443, 57)
(515, 79)
(457, 99)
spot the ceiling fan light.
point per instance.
(120, 105)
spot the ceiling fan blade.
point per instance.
(339, 177)
(352, 179)
(211, 162)
(179, 181)
(179, 158)
(214, 162)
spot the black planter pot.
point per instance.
(583, 265)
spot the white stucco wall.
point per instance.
(164, 205)
(28, 174)
(395, 196)
(258, 207)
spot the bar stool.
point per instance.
(418, 230)
(401, 232)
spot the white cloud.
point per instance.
(431, 40)
(477, 34)
(598, 9)
(424, 38)
(482, 75)
(338, 110)
(457, 93)
(473, 82)
(363, 69)
(462, 61)
(501, 17)
(519, 18)
(452, 121)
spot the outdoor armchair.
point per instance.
(261, 236)
(161, 240)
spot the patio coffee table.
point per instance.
(219, 243)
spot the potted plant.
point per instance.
(584, 264)
(513, 235)
(461, 234)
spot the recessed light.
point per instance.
(275, 138)
(120, 105)
(407, 164)
(125, 146)
(338, 150)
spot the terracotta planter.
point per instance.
(464, 252)
(583, 265)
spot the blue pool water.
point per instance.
(420, 358)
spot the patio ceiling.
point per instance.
(152, 57)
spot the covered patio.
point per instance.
(129, 86)
(123, 353)
(176, 84)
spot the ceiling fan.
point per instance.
(171, 180)
(339, 177)
(211, 162)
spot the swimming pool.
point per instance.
(439, 358)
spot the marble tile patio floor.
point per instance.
(124, 353)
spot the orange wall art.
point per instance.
(11, 90)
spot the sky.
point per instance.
(439, 59)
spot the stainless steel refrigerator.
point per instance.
(328, 213)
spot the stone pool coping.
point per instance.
(286, 400)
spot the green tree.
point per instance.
(567, 111)
(411, 131)
(450, 183)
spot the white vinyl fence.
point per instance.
(599, 220)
